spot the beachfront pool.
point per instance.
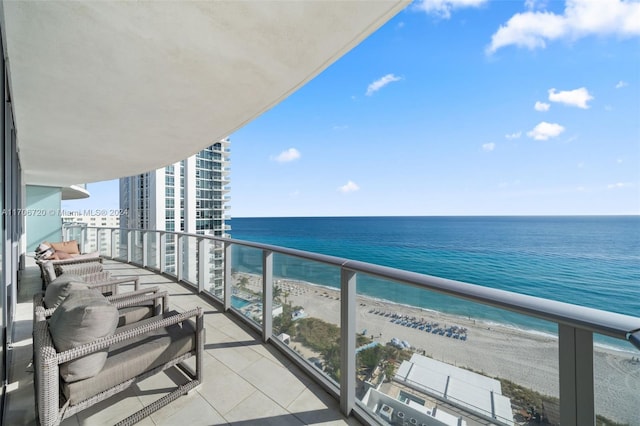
(239, 302)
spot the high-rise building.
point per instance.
(189, 196)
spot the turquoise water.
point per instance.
(589, 261)
(238, 302)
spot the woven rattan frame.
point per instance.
(92, 264)
(50, 405)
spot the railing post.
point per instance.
(129, 245)
(83, 239)
(227, 276)
(267, 295)
(178, 252)
(203, 263)
(113, 244)
(162, 252)
(145, 242)
(575, 348)
(348, 340)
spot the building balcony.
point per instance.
(369, 360)
(246, 381)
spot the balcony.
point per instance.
(428, 366)
(246, 380)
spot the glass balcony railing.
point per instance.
(399, 347)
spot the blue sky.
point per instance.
(465, 107)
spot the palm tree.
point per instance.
(277, 292)
(243, 283)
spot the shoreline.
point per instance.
(526, 357)
(483, 321)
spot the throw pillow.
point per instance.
(42, 247)
(60, 288)
(83, 317)
(45, 254)
(70, 247)
(61, 255)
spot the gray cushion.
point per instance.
(135, 356)
(94, 254)
(84, 316)
(59, 289)
(134, 314)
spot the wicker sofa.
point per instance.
(53, 257)
(82, 357)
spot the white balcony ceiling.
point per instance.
(109, 89)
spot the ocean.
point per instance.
(592, 261)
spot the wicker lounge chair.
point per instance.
(103, 281)
(132, 306)
(96, 360)
(50, 269)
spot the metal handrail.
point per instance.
(576, 324)
(593, 320)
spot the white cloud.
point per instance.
(578, 97)
(290, 154)
(533, 29)
(443, 8)
(581, 165)
(541, 106)
(543, 131)
(489, 146)
(619, 185)
(619, 161)
(349, 187)
(381, 82)
(621, 84)
(340, 127)
(515, 135)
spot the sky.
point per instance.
(465, 107)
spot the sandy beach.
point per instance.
(527, 358)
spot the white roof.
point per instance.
(461, 374)
(461, 387)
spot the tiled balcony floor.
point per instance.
(245, 381)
